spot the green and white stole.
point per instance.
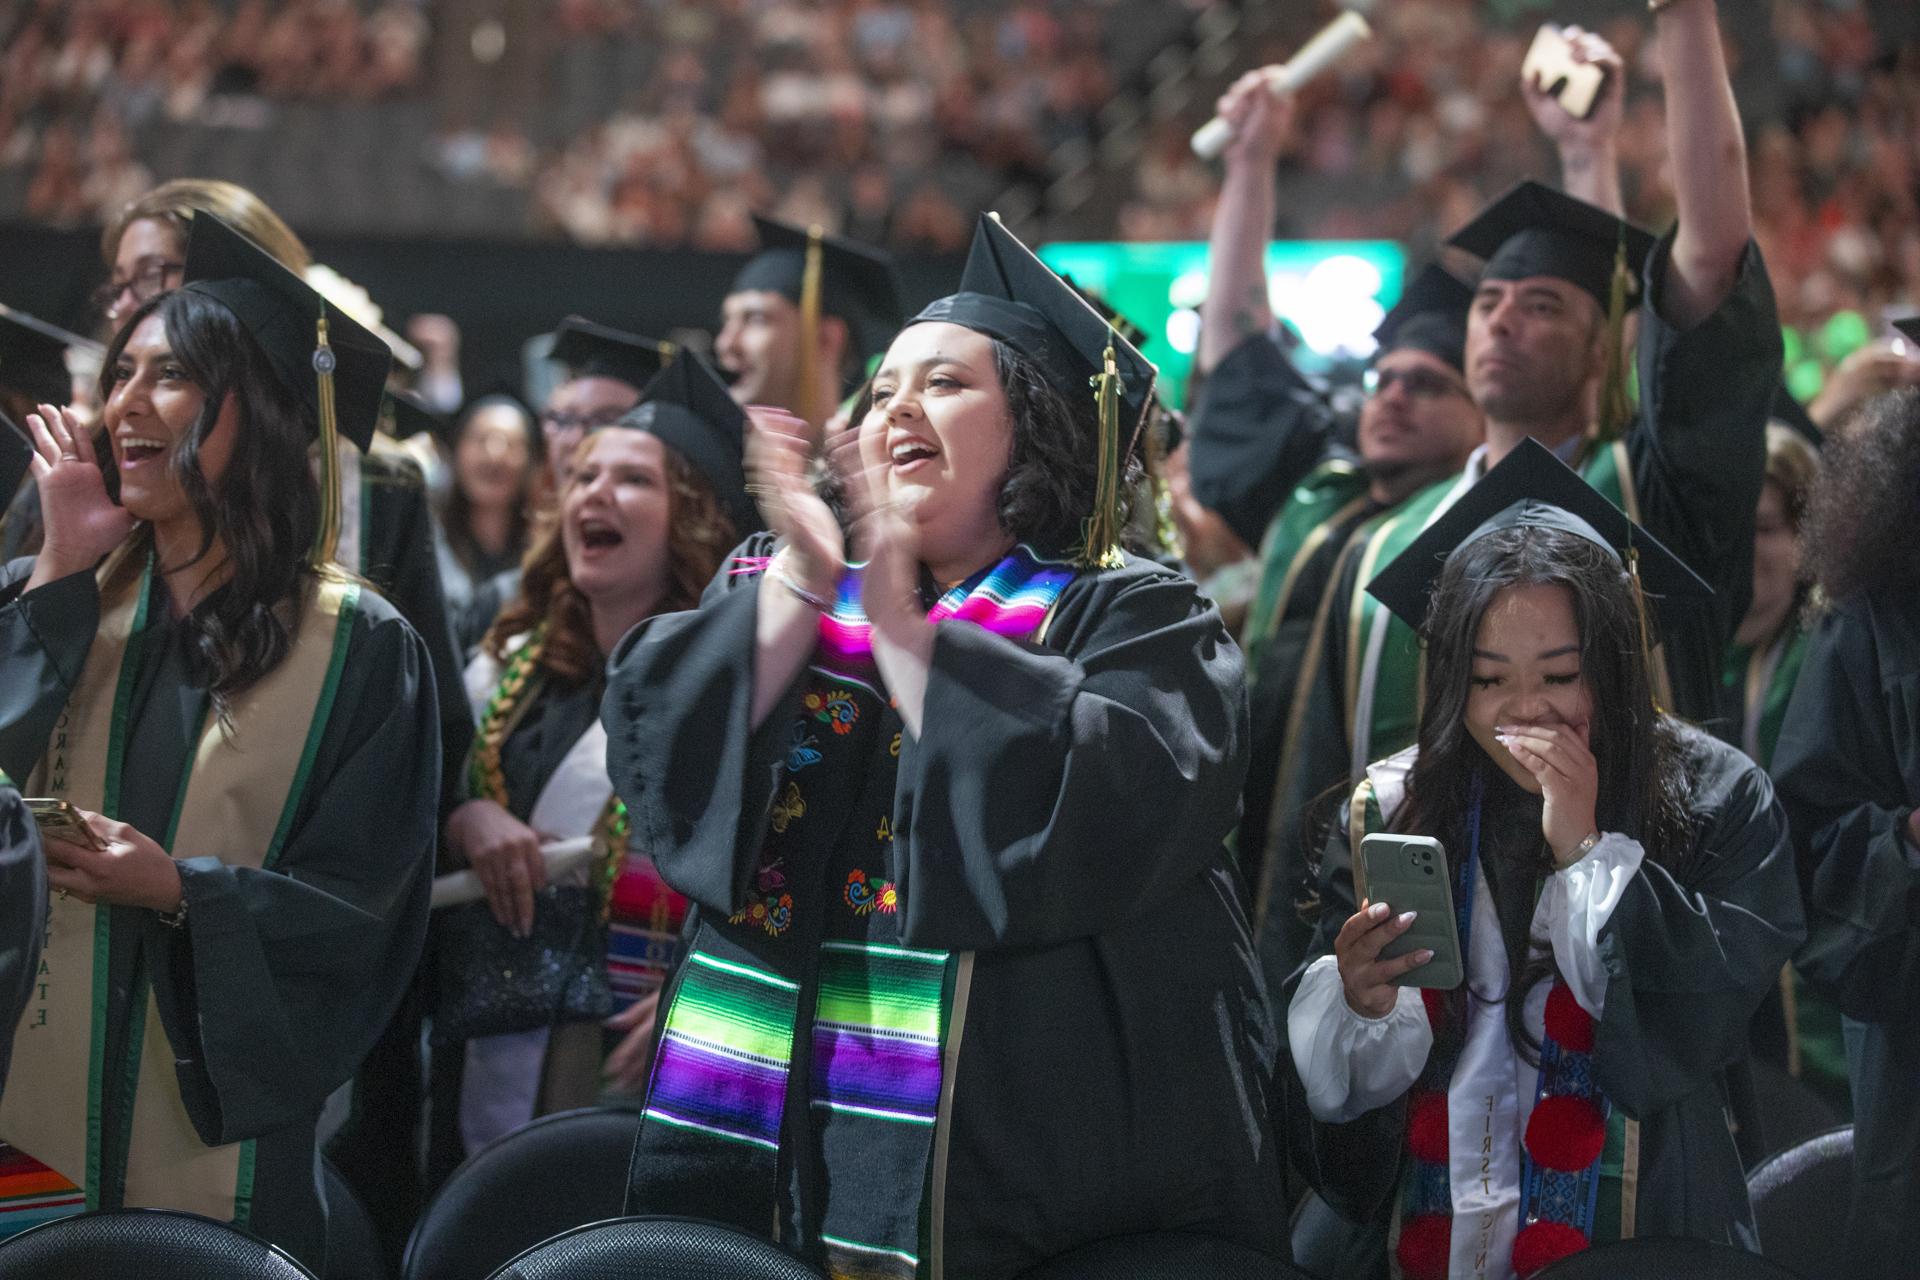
(237, 800)
(1323, 501)
(1385, 667)
(801, 1031)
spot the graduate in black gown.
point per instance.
(1848, 765)
(252, 733)
(1624, 896)
(23, 872)
(33, 371)
(972, 984)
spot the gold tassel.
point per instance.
(326, 538)
(1615, 407)
(1165, 529)
(1100, 547)
(1656, 668)
(810, 285)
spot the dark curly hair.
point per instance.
(267, 505)
(1048, 490)
(1866, 502)
(1643, 778)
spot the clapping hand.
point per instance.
(82, 523)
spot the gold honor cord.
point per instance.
(1656, 671)
(326, 538)
(810, 288)
(1100, 548)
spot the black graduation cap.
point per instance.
(412, 416)
(856, 283)
(33, 357)
(1126, 328)
(16, 459)
(1534, 230)
(1431, 316)
(688, 407)
(590, 350)
(1909, 328)
(1531, 488)
(282, 312)
(1788, 410)
(1008, 293)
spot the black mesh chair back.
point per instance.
(1789, 1111)
(655, 1248)
(1801, 1197)
(353, 1245)
(152, 1244)
(1665, 1260)
(561, 1171)
(1164, 1255)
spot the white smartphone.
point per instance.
(1410, 873)
(1575, 85)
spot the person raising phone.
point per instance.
(1624, 893)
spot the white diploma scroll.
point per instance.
(1319, 53)
(561, 857)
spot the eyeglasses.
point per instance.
(1423, 384)
(149, 282)
(558, 423)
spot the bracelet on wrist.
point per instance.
(818, 603)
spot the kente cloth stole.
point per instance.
(642, 915)
(1385, 668)
(238, 796)
(801, 1032)
(1570, 1132)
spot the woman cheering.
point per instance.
(650, 508)
(972, 984)
(1624, 896)
(251, 738)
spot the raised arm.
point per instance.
(1708, 156)
(1236, 304)
(1588, 149)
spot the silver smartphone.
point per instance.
(1410, 873)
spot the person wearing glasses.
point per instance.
(605, 372)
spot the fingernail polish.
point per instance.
(1423, 955)
(1407, 918)
(1378, 911)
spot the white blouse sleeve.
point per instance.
(1351, 1064)
(1574, 908)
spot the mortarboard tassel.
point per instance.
(1166, 531)
(326, 538)
(1656, 667)
(1100, 548)
(810, 284)
(1615, 407)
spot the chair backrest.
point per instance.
(655, 1248)
(153, 1244)
(353, 1244)
(1164, 1255)
(1801, 1196)
(1665, 1260)
(561, 1171)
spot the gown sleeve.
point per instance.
(697, 778)
(44, 638)
(1841, 778)
(284, 977)
(1054, 794)
(1259, 428)
(23, 914)
(1350, 1064)
(1689, 951)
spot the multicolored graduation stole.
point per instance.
(802, 1019)
(242, 787)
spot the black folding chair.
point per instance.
(561, 1171)
(655, 1248)
(151, 1244)
(1165, 1255)
(1801, 1196)
(1665, 1260)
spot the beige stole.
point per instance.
(238, 800)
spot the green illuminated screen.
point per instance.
(1333, 293)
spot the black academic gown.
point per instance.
(282, 979)
(1062, 816)
(1690, 952)
(23, 914)
(1697, 448)
(1848, 765)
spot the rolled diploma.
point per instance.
(561, 857)
(1319, 53)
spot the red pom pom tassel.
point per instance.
(1570, 1026)
(1426, 1246)
(1427, 1126)
(1541, 1244)
(1565, 1133)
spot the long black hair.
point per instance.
(1644, 783)
(456, 515)
(267, 505)
(1049, 486)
